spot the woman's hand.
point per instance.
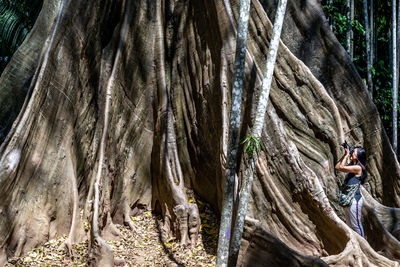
(342, 166)
(347, 151)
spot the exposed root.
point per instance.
(169, 186)
(102, 254)
(112, 227)
(87, 212)
(67, 244)
(357, 251)
(182, 218)
(194, 223)
(3, 257)
(166, 227)
(106, 255)
(126, 215)
(260, 246)
(389, 217)
(21, 242)
(72, 237)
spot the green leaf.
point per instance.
(252, 144)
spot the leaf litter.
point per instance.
(140, 247)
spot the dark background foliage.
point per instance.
(382, 60)
(16, 20)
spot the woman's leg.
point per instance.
(354, 216)
(359, 211)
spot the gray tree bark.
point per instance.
(331, 20)
(349, 29)
(371, 20)
(351, 32)
(368, 47)
(257, 130)
(397, 55)
(233, 140)
(395, 78)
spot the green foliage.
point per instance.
(16, 19)
(252, 145)
(383, 97)
(381, 67)
(340, 25)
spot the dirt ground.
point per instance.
(141, 247)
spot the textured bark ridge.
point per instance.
(259, 247)
(159, 73)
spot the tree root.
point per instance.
(389, 217)
(194, 223)
(112, 227)
(182, 216)
(67, 244)
(126, 215)
(101, 254)
(21, 242)
(72, 237)
(356, 251)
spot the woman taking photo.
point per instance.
(356, 174)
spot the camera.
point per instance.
(346, 145)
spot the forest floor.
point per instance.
(141, 247)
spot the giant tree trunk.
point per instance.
(167, 94)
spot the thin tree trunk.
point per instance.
(397, 58)
(348, 30)
(367, 37)
(227, 199)
(351, 32)
(331, 22)
(371, 18)
(257, 130)
(394, 70)
(397, 45)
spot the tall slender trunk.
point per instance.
(227, 199)
(367, 37)
(351, 32)
(397, 43)
(394, 70)
(348, 30)
(331, 21)
(257, 130)
(371, 19)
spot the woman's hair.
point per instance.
(362, 160)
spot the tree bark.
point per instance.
(397, 64)
(371, 20)
(351, 31)
(395, 78)
(348, 29)
(331, 20)
(15, 82)
(167, 128)
(234, 126)
(257, 130)
(368, 47)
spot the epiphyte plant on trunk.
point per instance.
(252, 144)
